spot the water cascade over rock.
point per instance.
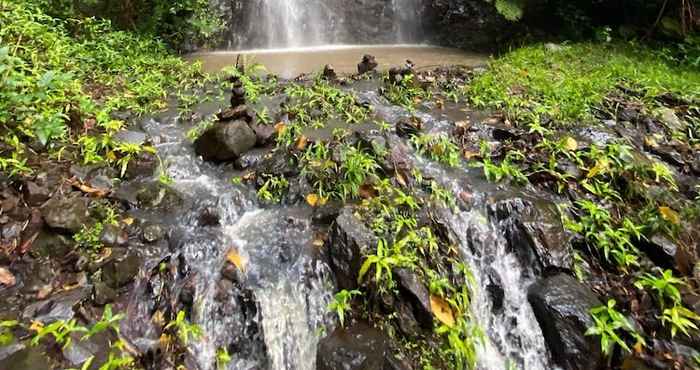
(274, 24)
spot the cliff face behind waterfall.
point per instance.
(253, 24)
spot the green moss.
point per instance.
(567, 82)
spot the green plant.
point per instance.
(356, 167)
(664, 285)
(438, 147)
(184, 330)
(680, 318)
(273, 189)
(223, 358)
(384, 261)
(507, 169)
(341, 303)
(609, 324)
(6, 335)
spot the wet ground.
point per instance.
(289, 63)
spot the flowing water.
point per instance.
(290, 288)
(273, 24)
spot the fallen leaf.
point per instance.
(442, 311)
(301, 142)
(312, 199)
(236, 259)
(570, 144)
(6, 277)
(36, 326)
(279, 127)
(128, 221)
(469, 154)
(670, 215)
(401, 180)
(601, 166)
(367, 191)
(439, 104)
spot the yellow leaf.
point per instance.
(670, 215)
(111, 156)
(128, 221)
(236, 259)
(442, 311)
(301, 142)
(312, 199)
(601, 166)
(279, 127)
(570, 144)
(36, 326)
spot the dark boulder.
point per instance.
(35, 194)
(368, 64)
(225, 141)
(359, 347)
(414, 292)
(66, 214)
(112, 236)
(350, 239)
(120, 271)
(534, 230)
(329, 73)
(562, 307)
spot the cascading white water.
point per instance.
(277, 24)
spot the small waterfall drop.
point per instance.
(286, 24)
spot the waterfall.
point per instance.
(277, 24)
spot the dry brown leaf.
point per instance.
(670, 215)
(6, 277)
(400, 179)
(301, 142)
(279, 127)
(367, 191)
(236, 259)
(442, 311)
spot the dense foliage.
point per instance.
(64, 79)
(176, 22)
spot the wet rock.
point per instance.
(130, 137)
(264, 133)
(209, 217)
(416, 294)
(397, 74)
(237, 94)
(66, 214)
(562, 307)
(329, 73)
(534, 230)
(359, 347)
(157, 195)
(152, 233)
(278, 162)
(368, 63)
(103, 294)
(667, 254)
(112, 236)
(349, 241)
(668, 154)
(58, 307)
(670, 119)
(29, 358)
(225, 141)
(51, 244)
(35, 194)
(238, 113)
(121, 271)
(144, 165)
(407, 128)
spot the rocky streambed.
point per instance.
(332, 222)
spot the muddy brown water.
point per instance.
(289, 63)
